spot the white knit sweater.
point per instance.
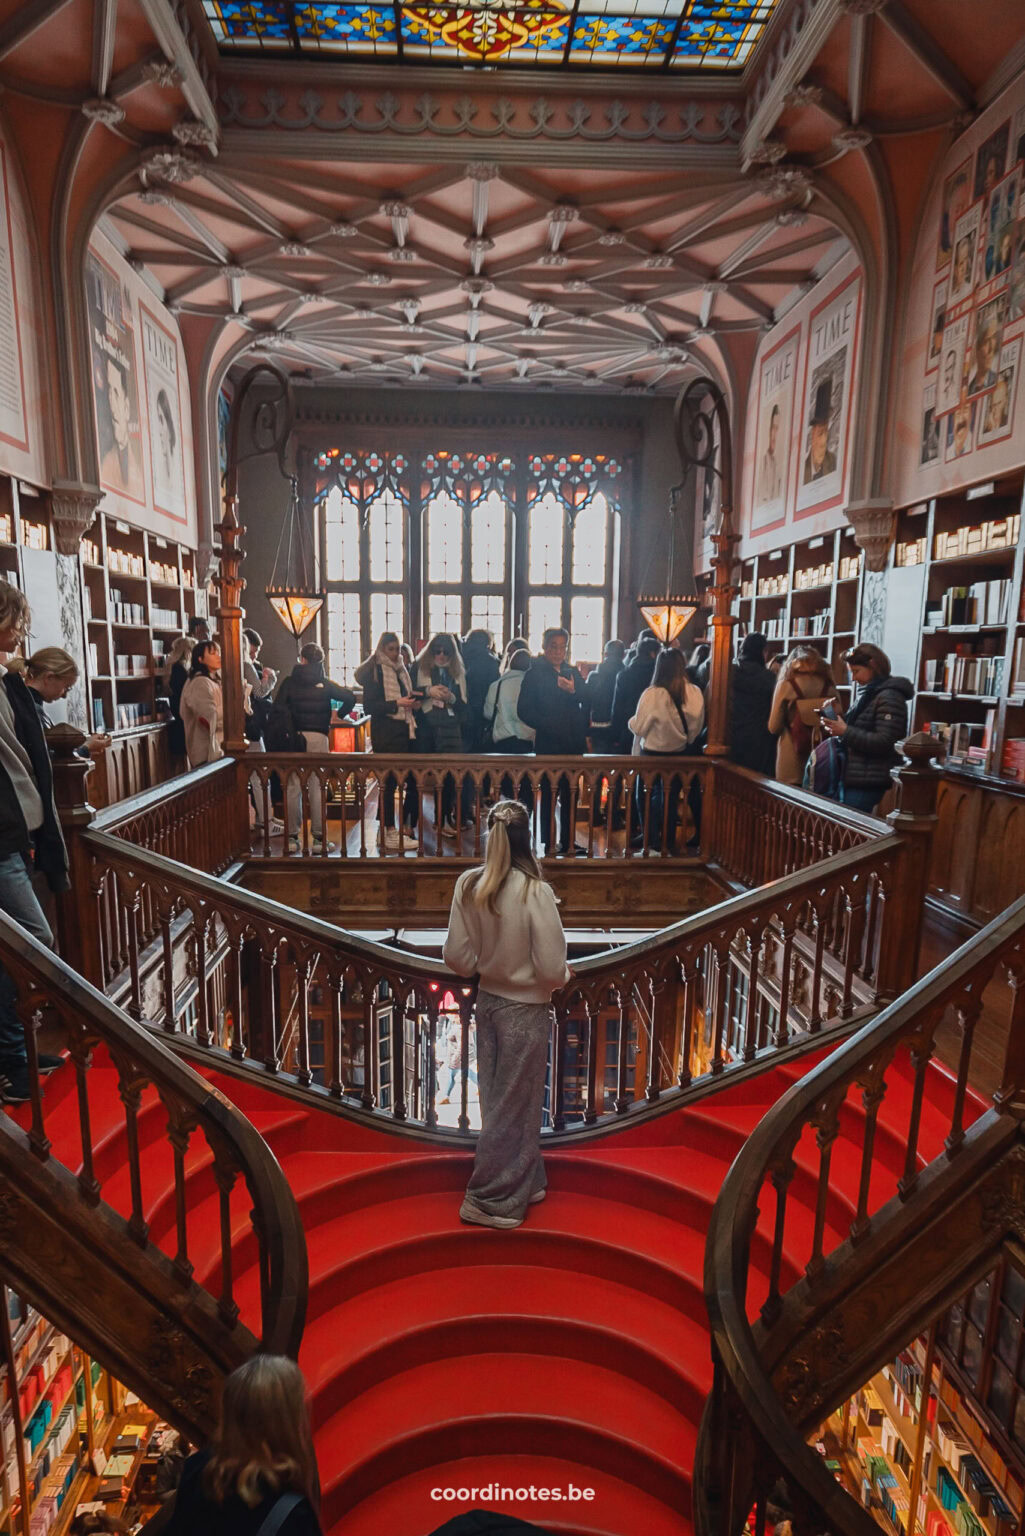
(519, 951)
(657, 723)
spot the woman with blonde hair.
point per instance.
(805, 686)
(49, 675)
(505, 928)
(176, 675)
(259, 1474)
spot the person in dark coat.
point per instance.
(482, 668)
(438, 676)
(874, 724)
(553, 701)
(601, 690)
(312, 699)
(751, 689)
(262, 1459)
(630, 684)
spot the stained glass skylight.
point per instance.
(706, 35)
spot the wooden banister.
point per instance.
(775, 1377)
(96, 1268)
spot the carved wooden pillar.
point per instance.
(717, 697)
(77, 928)
(230, 614)
(72, 508)
(917, 781)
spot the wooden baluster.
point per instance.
(855, 910)
(179, 1134)
(622, 1100)
(130, 1090)
(268, 1003)
(237, 994)
(134, 1008)
(333, 1045)
(225, 1174)
(722, 960)
(594, 783)
(81, 1059)
(398, 1054)
(612, 783)
(827, 1128)
(199, 929)
(303, 972)
(431, 1002)
(868, 964)
(653, 1087)
(38, 1139)
(969, 1007)
(873, 1088)
(263, 790)
(592, 1105)
(920, 1051)
(815, 1019)
(690, 992)
(558, 1073)
(467, 998)
(1010, 1096)
(751, 1022)
(371, 1082)
(781, 1173)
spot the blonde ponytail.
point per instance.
(508, 847)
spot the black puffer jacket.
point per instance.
(601, 690)
(877, 721)
(752, 745)
(311, 697)
(481, 670)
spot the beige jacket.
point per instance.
(807, 686)
(201, 700)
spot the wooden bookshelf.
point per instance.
(808, 593)
(100, 1410)
(138, 595)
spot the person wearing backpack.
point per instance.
(804, 687)
(258, 1476)
(311, 699)
(670, 716)
(876, 721)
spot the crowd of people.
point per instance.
(459, 696)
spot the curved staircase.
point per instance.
(571, 1351)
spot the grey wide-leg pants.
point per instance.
(512, 1055)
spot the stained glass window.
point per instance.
(386, 612)
(363, 498)
(708, 35)
(386, 561)
(467, 501)
(542, 613)
(590, 543)
(444, 539)
(445, 613)
(547, 520)
(587, 627)
(341, 541)
(345, 641)
(572, 545)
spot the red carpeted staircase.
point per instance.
(571, 1352)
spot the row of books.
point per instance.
(814, 576)
(165, 618)
(984, 602)
(125, 716)
(966, 741)
(971, 539)
(1013, 762)
(963, 672)
(124, 563)
(774, 586)
(123, 612)
(131, 666)
(811, 624)
(53, 1491)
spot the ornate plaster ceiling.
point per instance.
(482, 273)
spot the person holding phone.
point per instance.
(877, 720)
(804, 687)
(392, 704)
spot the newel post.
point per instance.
(78, 934)
(230, 614)
(917, 780)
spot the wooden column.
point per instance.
(230, 614)
(917, 781)
(78, 931)
(717, 698)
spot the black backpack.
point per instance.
(279, 733)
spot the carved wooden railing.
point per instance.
(859, 1264)
(133, 761)
(189, 953)
(80, 1231)
(608, 818)
(200, 957)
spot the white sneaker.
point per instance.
(293, 845)
(449, 829)
(318, 844)
(479, 1218)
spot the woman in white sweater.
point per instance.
(668, 720)
(202, 709)
(505, 929)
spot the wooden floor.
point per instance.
(990, 1039)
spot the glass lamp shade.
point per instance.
(296, 610)
(666, 616)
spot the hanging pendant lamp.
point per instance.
(668, 613)
(292, 590)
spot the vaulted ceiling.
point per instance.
(481, 273)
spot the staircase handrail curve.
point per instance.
(44, 978)
(769, 1146)
(731, 913)
(124, 811)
